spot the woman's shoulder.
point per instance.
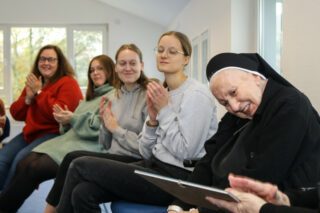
(285, 95)
(66, 80)
(197, 88)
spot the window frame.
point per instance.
(267, 44)
(199, 60)
(70, 28)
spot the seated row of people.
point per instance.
(148, 126)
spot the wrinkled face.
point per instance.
(170, 56)
(48, 63)
(129, 67)
(98, 74)
(238, 91)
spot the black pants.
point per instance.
(32, 170)
(91, 181)
(55, 192)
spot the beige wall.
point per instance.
(301, 47)
(123, 27)
(232, 25)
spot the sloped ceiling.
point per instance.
(157, 11)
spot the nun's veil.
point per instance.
(249, 61)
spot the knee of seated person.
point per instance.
(80, 194)
(70, 157)
(77, 161)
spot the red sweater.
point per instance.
(38, 115)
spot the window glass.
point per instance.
(25, 44)
(1, 61)
(271, 31)
(19, 46)
(204, 56)
(87, 44)
(195, 61)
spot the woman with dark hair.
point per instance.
(181, 118)
(271, 132)
(50, 82)
(79, 129)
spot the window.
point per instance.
(200, 46)
(271, 31)
(1, 60)
(79, 44)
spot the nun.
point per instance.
(270, 132)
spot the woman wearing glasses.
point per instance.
(181, 118)
(50, 82)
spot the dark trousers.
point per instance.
(32, 170)
(91, 181)
(55, 192)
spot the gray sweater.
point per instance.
(130, 110)
(184, 125)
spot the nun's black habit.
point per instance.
(281, 144)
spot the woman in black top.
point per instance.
(271, 132)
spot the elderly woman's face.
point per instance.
(238, 91)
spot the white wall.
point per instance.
(244, 25)
(300, 59)
(232, 25)
(123, 27)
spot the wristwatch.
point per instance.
(174, 208)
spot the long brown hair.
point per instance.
(109, 69)
(64, 68)
(143, 80)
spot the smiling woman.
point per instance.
(48, 84)
(79, 131)
(240, 92)
(271, 131)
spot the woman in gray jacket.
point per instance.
(123, 114)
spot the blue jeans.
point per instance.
(13, 152)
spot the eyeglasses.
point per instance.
(43, 59)
(171, 51)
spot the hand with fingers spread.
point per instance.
(252, 194)
(62, 116)
(249, 203)
(157, 95)
(109, 120)
(34, 83)
(29, 95)
(151, 111)
(266, 191)
(102, 106)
